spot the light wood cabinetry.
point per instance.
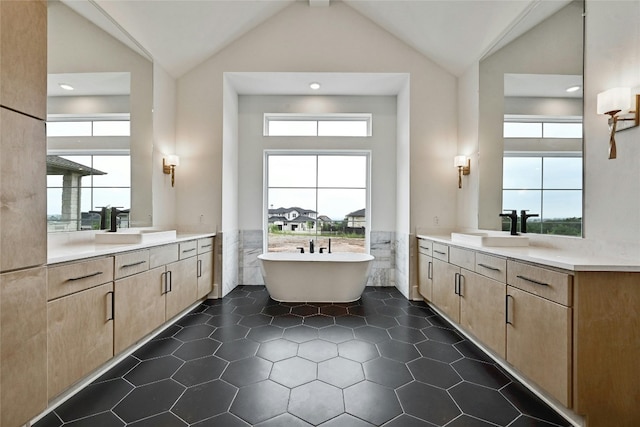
(539, 342)
(22, 187)
(205, 267)
(131, 263)
(139, 307)
(445, 288)
(425, 269)
(23, 350)
(482, 310)
(23, 57)
(80, 333)
(183, 285)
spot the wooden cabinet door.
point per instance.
(139, 307)
(80, 333)
(425, 271)
(539, 342)
(23, 355)
(183, 287)
(482, 310)
(205, 274)
(444, 289)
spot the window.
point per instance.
(88, 128)
(347, 125)
(548, 186)
(79, 184)
(530, 129)
(316, 196)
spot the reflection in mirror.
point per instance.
(542, 164)
(530, 127)
(99, 124)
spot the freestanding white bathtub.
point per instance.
(296, 277)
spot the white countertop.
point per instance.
(78, 249)
(566, 259)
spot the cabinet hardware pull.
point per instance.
(188, 250)
(97, 273)
(460, 282)
(206, 246)
(506, 310)
(488, 267)
(430, 270)
(441, 253)
(456, 283)
(163, 281)
(110, 305)
(199, 268)
(170, 275)
(532, 281)
(134, 264)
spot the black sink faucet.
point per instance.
(513, 215)
(523, 220)
(115, 212)
(103, 216)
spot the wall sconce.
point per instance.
(169, 164)
(464, 167)
(614, 101)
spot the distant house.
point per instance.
(356, 219)
(293, 219)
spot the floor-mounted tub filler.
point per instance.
(306, 277)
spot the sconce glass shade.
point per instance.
(460, 161)
(172, 160)
(614, 100)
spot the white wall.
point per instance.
(164, 143)
(332, 39)
(612, 187)
(305, 39)
(382, 145)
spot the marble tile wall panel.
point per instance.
(402, 264)
(250, 248)
(382, 248)
(231, 245)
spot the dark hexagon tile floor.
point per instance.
(247, 360)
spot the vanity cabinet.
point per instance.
(205, 267)
(448, 278)
(539, 326)
(139, 307)
(79, 321)
(425, 269)
(23, 353)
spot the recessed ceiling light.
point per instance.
(65, 86)
(314, 85)
(573, 89)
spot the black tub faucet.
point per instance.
(513, 215)
(311, 246)
(523, 220)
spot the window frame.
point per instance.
(309, 152)
(367, 117)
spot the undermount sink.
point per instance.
(134, 235)
(486, 239)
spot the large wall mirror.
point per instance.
(530, 125)
(99, 121)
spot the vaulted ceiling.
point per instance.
(180, 34)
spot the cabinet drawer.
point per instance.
(491, 266)
(425, 247)
(205, 245)
(462, 258)
(441, 251)
(549, 284)
(70, 278)
(161, 255)
(188, 249)
(131, 263)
